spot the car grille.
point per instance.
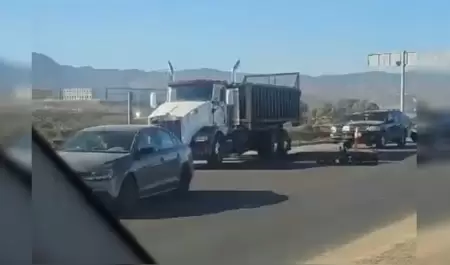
(360, 128)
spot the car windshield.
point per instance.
(100, 141)
(370, 116)
(193, 92)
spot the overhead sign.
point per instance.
(434, 59)
(392, 59)
(422, 59)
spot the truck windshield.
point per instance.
(193, 93)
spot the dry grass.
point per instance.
(15, 121)
(55, 125)
(60, 121)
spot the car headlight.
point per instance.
(102, 174)
(346, 128)
(201, 138)
(333, 129)
(374, 128)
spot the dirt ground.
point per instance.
(433, 245)
(397, 244)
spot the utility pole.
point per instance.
(399, 59)
(402, 80)
(130, 108)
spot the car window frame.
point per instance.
(174, 144)
(390, 117)
(403, 120)
(141, 134)
(76, 134)
(175, 139)
(395, 117)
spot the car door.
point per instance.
(169, 171)
(405, 124)
(390, 127)
(399, 125)
(147, 167)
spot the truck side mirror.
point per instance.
(153, 103)
(171, 94)
(229, 97)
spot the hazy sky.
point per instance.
(314, 37)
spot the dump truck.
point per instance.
(218, 119)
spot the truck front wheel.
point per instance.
(215, 157)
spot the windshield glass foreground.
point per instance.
(100, 141)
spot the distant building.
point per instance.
(76, 93)
(22, 93)
(41, 93)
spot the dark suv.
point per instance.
(376, 127)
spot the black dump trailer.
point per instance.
(268, 104)
(264, 104)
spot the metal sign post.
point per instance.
(399, 59)
(130, 108)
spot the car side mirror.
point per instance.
(143, 151)
(146, 150)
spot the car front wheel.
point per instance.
(215, 158)
(381, 142)
(128, 199)
(185, 182)
(402, 141)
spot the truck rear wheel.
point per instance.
(284, 143)
(267, 146)
(414, 137)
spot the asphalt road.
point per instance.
(276, 213)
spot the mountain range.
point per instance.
(380, 87)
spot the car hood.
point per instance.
(364, 123)
(87, 162)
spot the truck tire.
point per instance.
(414, 137)
(283, 145)
(267, 146)
(215, 157)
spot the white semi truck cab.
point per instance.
(192, 105)
(217, 118)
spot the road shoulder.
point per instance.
(393, 244)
